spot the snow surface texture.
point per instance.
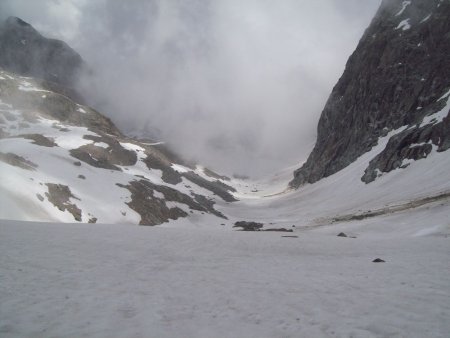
(74, 280)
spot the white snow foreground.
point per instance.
(75, 280)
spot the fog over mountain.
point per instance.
(236, 85)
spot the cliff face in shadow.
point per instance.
(25, 51)
(398, 76)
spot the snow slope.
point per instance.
(344, 193)
(74, 280)
(99, 186)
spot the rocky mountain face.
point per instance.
(396, 83)
(26, 52)
(62, 160)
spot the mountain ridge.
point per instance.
(52, 147)
(72, 163)
(394, 78)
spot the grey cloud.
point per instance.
(237, 85)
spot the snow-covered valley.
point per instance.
(198, 277)
(69, 280)
(107, 235)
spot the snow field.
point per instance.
(126, 281)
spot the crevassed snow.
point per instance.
(404, 25)
(404, 5)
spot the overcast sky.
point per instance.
(237, 85)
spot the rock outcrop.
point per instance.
(93, 173)
(399, 75)
(26, 52)
(51, 140)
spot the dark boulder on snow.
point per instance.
(399, 75)
(248, 226)
(378, 260)
(279, 230)
(341, 234)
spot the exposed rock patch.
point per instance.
(278, 230)
(411, 144)
(248, 226)
(217, 187)
(169, 175)
(155, 160)
(17, 161)
(54, 106)
(255, 226)
(94, 156)
(215, 175)
(101, 157)
(59, 195)
(391, 209)
(154, 210)
(39, 140)
(378, 260)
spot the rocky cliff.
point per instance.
(64, 161)
(398, 76)
(26, 52)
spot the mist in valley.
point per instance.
(237, 86)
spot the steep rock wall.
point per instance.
(398, 76)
